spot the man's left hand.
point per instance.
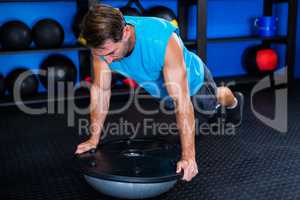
(189, 167)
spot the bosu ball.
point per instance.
(131, 168)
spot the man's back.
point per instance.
(146, 61)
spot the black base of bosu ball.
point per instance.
(131, 168)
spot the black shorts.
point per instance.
(205, 100)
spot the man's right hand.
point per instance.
(100, 93)
(87, 145)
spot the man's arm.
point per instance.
(100, 97)
(177, 86)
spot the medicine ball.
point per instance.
(28, 85)
(266, 59)
(76, 25)
(129, 11)
(48, 33)
(15, 35)
(2, 85)
(57, 68)
(259, 59)
(130, 83)
(162, 12)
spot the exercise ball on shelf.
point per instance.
(57, 68)
(130, 83)
(15, 35)
(23, 81)
(76, 26)
(2, 85)
(259, 59)
(48, 33)
(129, 11)
(162, 12)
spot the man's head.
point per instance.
(105, 30)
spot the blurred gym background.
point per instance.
(223, 36)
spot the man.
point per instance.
(149, 51)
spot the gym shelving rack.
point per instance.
(84, 67)
(34, 50)
(200, 44)
(82, 52)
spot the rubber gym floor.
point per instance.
(256, 162)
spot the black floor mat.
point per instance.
(256, 162)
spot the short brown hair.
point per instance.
(102, 22)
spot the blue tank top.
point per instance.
(146, 61)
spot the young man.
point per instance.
(149, 51)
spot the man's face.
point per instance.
(113, 51)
